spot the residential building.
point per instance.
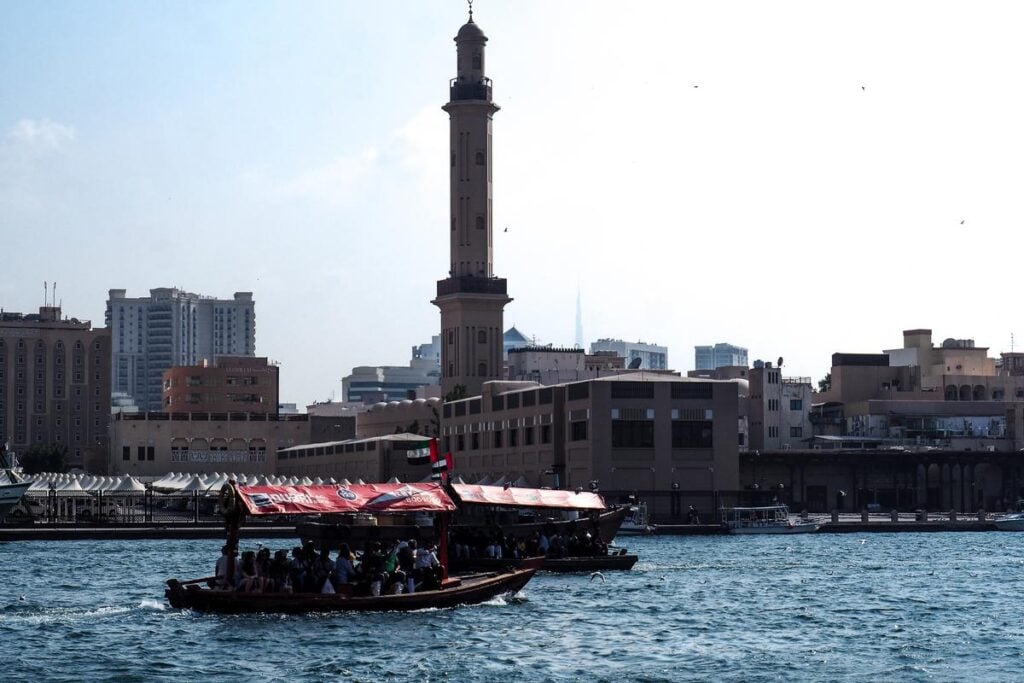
(779, 409)
(651, 356)
(229, 384)
(55, 385)
(169, 328)
(718, 356)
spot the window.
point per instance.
(632, 390)
(578, 391)
(461, 442)
(691, 389)
(528, 436)
(578, 431)
(796, 432)
(633, 433)
(545, 433)
(544, 396)
(479, 158)
(513, 438)
(479, 222)
(481, 337)
(512, 400)
(477, 61)
(150, 452)
(530, 398)
(481, 370)
(141, 452)
(498, 438)
(796, 404)
(474, 441)
(497, 403)
(692, 434)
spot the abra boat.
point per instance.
(12, 487)
(239, 501)
(768, 519)
(605, 521)
(635, 522)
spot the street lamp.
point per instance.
(714, 491)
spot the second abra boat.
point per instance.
(767, 519)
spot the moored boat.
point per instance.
(767, 519)
(239, 501)
(1013, 521)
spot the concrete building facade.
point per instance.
(229, 384)
(471, 298)
(779, 409)
(55, 385)
(168, 328)
(658, 433)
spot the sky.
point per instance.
(799, 178)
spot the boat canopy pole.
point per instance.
(234, 512)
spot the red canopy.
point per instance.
(527, 498)
(298, 500)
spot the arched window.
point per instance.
(481, 337)
(479, 158)
(481, 370)
(477, 61)
(479, 222)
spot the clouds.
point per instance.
(42, 133)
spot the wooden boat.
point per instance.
(464, 590)
(239, 501)
(333, 534)
(592, 563)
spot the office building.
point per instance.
(637, 355)
(719, 356)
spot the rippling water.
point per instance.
(815, 607)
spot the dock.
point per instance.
(137, 533)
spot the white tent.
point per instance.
(129, 485)
(394, 480)
(485, 481)
(195, 485)
(521, 483)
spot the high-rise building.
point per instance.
(720, 355)
(471, 298)
(638, 355)
(150, 335)
(55, 385)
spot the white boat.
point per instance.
(1013, 521)
(11, 491)
(768, 519)
(635, 522)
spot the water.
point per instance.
(811, 607)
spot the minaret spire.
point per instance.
(471, 298)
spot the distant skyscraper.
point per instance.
(150, 335)
(579, 320)
(719, 356)
(652, 356)
(471, 298)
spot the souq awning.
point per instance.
(527, 498)
(301, 500)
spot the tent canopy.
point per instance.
(300, 500)
(476, 494)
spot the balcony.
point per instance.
(460, 90)
(472, 284)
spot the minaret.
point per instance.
(471, 298)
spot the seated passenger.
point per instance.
(426, 568)
(222, 580)
(248, 581)
(372, 567)
(280, 581)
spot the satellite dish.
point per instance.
(780, 361)
(635, 363)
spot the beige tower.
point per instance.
(471, 298)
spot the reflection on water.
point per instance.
(878, 607)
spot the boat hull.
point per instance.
(470, 590)
(333, 535)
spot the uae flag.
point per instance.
(440, 465)
(421, 453)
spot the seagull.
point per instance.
(863, 87)
(506, 228)
(695, 87)
(597, 575)
(962, 222)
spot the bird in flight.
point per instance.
(961, 222)
(506, 229)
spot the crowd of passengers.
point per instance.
(390, 568)
(498, 545)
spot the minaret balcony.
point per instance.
(472, 284)
(461, 90)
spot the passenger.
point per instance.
(280, 581)
(395, 579)
(297, 570)
(543, 544)
(427, 568)
(263, 582)
(407, 563)
(248, 581)
(372, 567)
(323, 570)
(222, 580)
(344, 567)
